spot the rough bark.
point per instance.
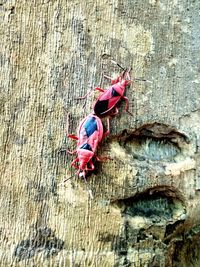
(145, 209)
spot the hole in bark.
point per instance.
(151, 148)
(159, 130)
(146, 216)
(157, 204)
(154, 142)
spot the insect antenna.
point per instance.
(87, 186)
(114, 62)
(142, 80)
(66, 180)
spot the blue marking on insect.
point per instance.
(86, 146)
(115, 93)
(90, 126)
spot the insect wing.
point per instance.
(90, 133)
(106, 101)
(81, 133)
(90, 126)
(97, 135)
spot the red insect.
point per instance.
(106, 103)
(89, 134)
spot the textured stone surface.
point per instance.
(145, 209)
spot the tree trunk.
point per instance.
(145, 208)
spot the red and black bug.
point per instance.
(106, 103)
(89, 134)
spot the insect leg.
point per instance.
(99, 89)
(127, 105)
(91, 166)
(71, 152)
(88, 93)
(72, 136)
(68, 151)
(115, 111)
(113, 81)
(108, 128)
(101, 158)
(74, 163)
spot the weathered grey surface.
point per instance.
(145, 209)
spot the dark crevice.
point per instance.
(156, 130)
(151, 148)
(170, 228)
(156, 142)
(159, 204)
(186, 250)
(152, 193)
(159, 130)
(157, 209)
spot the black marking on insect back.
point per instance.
(90, 126)
(101, 107)
(114, 92)
(86, 146)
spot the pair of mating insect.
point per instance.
(90, 131)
